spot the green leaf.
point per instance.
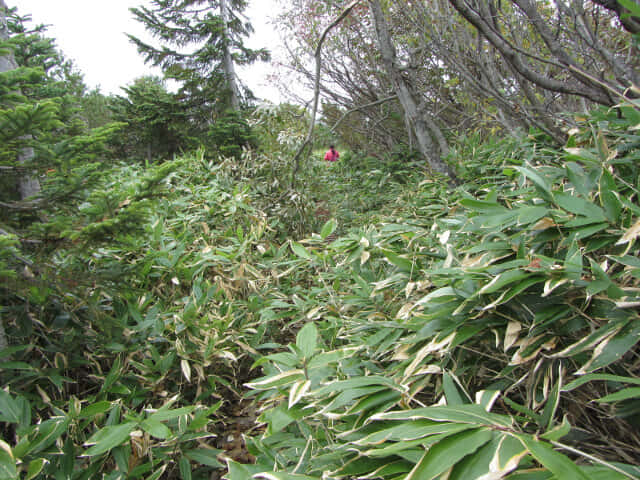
(113, 375)
(505, 278)
(543, 186)
(598, 472)
(613, 348)
(550, 407)
(185, 468)
(346, 397)
(608, 198)
(588, 231)
(483, 206)
(328, 228)
(589, 342)
(361, 467)
(399, 261)
(94, 409)
(8, 468)
(412, 450)
(493, 460)
(380, 401)
(468, 413)
(528, 215)
(578, 178)
(306, 340)
(620, 395)
(627, 260)
(283, 476)
(411, 430)
(393, 469)
(509, 217)
(443, 294)
(446, 453)
(164, 413)
(451, 392)
(204, 456)
(509, 454)
(278, 380)
(326, 358)
(238, 471)
(158, 473)
(280, 417)
(9, 351)
(558, 432)
(283, 358)
(35, 467)
(121, 455)
(532, 474)
(357, 382)
(156, 429)
(558, 464)
(13, 410)
(573, 262)
(300, 251)
(476, 465)
(599, 376)
(298, 391)
(522, 409)
(109, 437)
(631, 6)
(580, 206)
(486, 398)
(47, 433)
(68, 461)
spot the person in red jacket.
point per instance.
(332, 154)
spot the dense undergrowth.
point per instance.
(484, 332)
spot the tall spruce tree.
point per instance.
(201, 43)
(16, 119)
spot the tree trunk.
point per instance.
(28, 185)
(402, 89)
(485, 26)
(229, 67)
(6, 61)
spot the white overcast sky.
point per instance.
(92, 34)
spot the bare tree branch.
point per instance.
(316, 90)
(421, 123)
(582, 89)
(361, 108)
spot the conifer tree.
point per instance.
(157, 126)
(17, 120)
(201, 43)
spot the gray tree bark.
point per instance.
(419, 122)
(28, 185)
(582, 87)
(229, 67)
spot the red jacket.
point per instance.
(331, 155)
